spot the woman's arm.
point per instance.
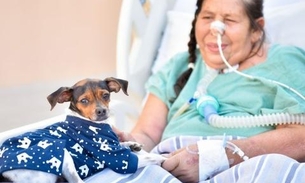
(150, 125)
(288, 140)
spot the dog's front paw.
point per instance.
(134, 146)
(150, 159)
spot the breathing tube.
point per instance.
(207, 105)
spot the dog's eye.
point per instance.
(106, 96)
(84, 101)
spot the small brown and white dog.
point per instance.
(80, 146)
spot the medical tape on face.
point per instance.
(217, 27)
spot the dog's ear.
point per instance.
(115, 84)
(63, 94)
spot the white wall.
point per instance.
(47, 40)
(45, 44)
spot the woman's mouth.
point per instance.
(213, 47)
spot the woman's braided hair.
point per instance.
(192, 45)
(253, 9)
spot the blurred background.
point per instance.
(48, 44)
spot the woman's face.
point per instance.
(237, 39)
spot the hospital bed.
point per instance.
(152, 31)
(149, 37)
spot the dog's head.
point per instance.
(89, 97)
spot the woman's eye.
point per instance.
(229, 20)
(206, 17)
(84, 101)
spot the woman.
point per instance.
(186, 136)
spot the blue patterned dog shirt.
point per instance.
(92, 146)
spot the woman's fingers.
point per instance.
(123, 136)
(183, 165)
(171, 163)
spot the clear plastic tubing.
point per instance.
(208, 106)
(255, 121)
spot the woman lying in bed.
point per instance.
(198, 151)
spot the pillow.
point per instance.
(275, 3)
(284, 24)
(176, 34)
(175, 38)
(185, 6)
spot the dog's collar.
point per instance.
(72, 113)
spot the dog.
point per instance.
(82, 145)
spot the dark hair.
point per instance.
(253, 9)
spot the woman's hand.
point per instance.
(123, 136)
(184, 164)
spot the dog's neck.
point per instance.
(72, 113)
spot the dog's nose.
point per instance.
(100, 112)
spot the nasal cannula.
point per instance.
(207, 105)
